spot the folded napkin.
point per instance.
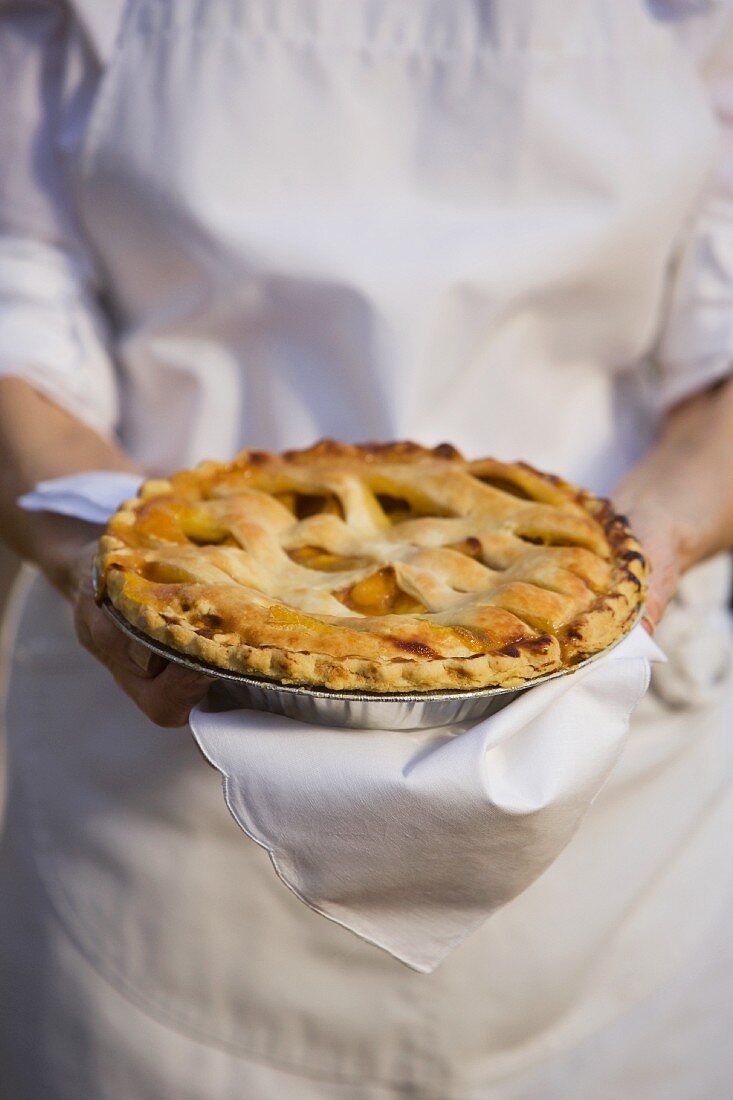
(412, 839)
(93, 495)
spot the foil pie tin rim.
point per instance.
(277, 688)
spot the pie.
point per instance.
(379, 567)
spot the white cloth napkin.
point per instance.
(93, 495)
(412, 839)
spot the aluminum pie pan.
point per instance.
(349, 709)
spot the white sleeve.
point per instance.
(696, 344)
(52, 331)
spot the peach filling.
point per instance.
(471, 547)
(201, 527)
(505, 485)
(314, 557)
(396, 509)
(473, 640)
(161, 572)
(165, 520)
(288, 616)
(303, 505)
(380, 594)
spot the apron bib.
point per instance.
(383, 219)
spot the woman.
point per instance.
(257, 222)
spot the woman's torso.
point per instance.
(378, 220)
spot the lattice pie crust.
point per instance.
(381, 567)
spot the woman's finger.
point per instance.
(112, 644)
(105, 640)
(656, 603)
(167, 699)
(163, 691)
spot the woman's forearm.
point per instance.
(40, 440)
(679, 497)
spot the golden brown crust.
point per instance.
(378, 567)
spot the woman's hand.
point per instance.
(164, 692)
(679, 498)
(654, 528)
(40, 440)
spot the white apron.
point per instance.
(370, 220)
